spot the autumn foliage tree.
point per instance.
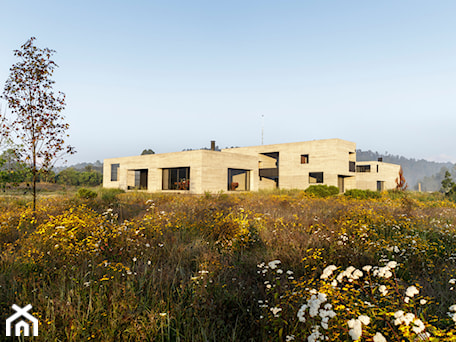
(37, 120)
(401, 184)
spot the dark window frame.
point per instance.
(176, 178)
(363, 168)
(141, 179)
(115, 172)
(318, 176)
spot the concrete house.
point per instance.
(286, 166)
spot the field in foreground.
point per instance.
(245, 267)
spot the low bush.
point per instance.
(397, 194)
(451, 195)
(362, 194)
(86, 193)
(109, 195)
(322, 190)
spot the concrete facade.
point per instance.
(286, 166)
(298, 162)
(376, 175)
(208, 170)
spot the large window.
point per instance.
(238, 179)
(115, 172)
(177, 178)
(315, 177)
(363, 168)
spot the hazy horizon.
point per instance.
(172, 76)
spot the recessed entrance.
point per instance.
(269, 170)
(238, 179)
(341, 183)
(138, 179)
(141, 179)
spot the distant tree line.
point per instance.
(433, 182)
(14, 171)
(430, 174)
(96, 166)
(87, 177)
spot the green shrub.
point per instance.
(109, 195)
(362, 194)
(86, 193)
(395, 194)
(322, 190)
(451, 195)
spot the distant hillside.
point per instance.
(428, 173)
(96, 166)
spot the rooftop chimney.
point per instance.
(212, 145)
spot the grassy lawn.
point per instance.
(272, 266)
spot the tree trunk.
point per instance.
(34, 184)
(34, 191)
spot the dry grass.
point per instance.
(146, 267)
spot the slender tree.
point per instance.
(447, 183)
(37, 111)
(401, 183)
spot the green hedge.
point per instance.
(322, 190)
(86, 193)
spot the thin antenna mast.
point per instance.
(262, 129)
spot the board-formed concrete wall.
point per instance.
(287, 166)
(385, 173)
(331, 156)
(208, 169)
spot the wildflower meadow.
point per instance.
(275, 266)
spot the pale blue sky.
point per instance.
(170, 75)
